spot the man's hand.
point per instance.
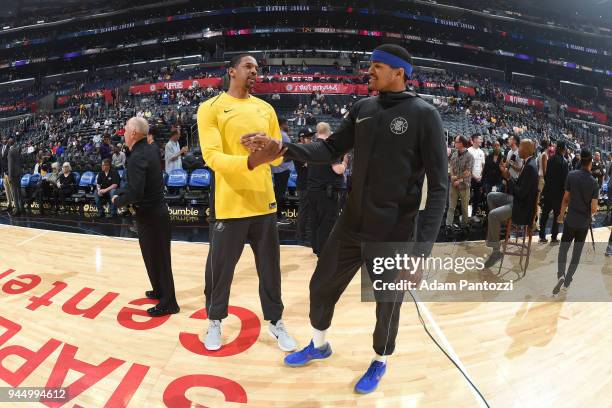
(456, 183)
(254, 142)
(271, 151)
(561, 218)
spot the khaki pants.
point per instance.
(8, 189)
(453, 196)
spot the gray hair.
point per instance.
(139, 124)
(66, 164)
(55, 165)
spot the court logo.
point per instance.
(289, 88)
(399, 126)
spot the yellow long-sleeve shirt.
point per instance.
(222, 120)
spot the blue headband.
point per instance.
(392, 61)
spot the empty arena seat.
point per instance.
(86, 184)
(25, 180)
(176, 185)
(199, 185)
(292, 182)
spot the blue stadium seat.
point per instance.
(175, 186)
(200, 178)
(87, 179)
(292, 183)
(25, 180)
(199, 184)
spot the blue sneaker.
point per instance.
(310, 352)
(371, 378)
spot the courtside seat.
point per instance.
(199, 187)
(86, 184)
(292, 187)
(176, 186)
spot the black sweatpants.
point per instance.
(280, 188)
(323, 215)
(339, 262)
(578, 235)
(303, 219)
(154, 237)
(227, 239)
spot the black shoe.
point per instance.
(554, 241)
(495, 256)
(162, 311)
(543, 240)
(557, 287)
(151, 294)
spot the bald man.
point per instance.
(518, 203)
(145, 192)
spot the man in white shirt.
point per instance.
(479, 160)
(514, 163)
(174, 153)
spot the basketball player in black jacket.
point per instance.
(397, 139)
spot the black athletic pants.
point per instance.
(578, 235)
(280, 188)
(303, 219)
(339, 262)
(154, 237)
(227, 241)
(323, 215)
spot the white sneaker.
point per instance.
(279, 332)
(212, 341)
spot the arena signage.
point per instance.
(599, 116)
(186, 84)
(519, 100)
(309, 87)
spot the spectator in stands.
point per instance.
(518, 203)
(324, 184)
(66, 185)
(59, 150)
(554, 183)
(281, 175)
(105, 148)
(581, 198)
(303, 221)
(476, 183)
(107, 182)
(118, 160)
(14, 175)
(492, 172)
(89, 147)
(598, 169)
(461, 165)
(47, 187)
(514, 163)
(174, 152)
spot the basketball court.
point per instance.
(72, 315)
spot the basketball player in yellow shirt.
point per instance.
(242, 203)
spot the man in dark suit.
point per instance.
(519, 203)
(14, 175)
(145, 192)
(554, 181)
(4, 149)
